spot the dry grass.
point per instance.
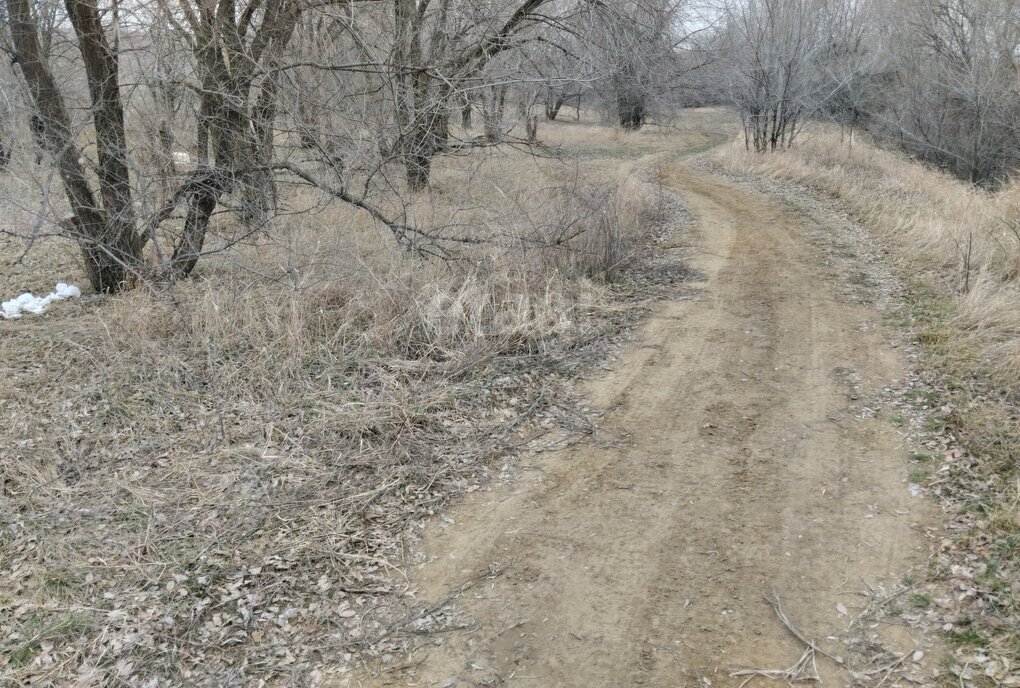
(209, 486)
(962, 241)
(959, 249)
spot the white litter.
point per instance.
(181, 158)
(30, 303)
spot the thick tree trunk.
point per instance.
(101, 70)
(110, 246)
(203, 192)
(531, 127)
(260, 182)
(631, 111)
(552, 107)
(426, 135)
(426, 131)
(407, 52)
(494, 106)
(419, 170)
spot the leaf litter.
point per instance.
(185, 511)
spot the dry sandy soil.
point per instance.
(741, 459)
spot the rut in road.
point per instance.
(740, 469)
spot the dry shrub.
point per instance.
(583, 232)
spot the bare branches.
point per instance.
(411, 238)
(105, 233)
(953, 96)
(773, 48)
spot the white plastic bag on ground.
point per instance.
(30, 303)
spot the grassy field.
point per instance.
(214, 483)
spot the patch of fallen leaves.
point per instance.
(160, 535)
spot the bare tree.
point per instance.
(939, 77)
(632, 47)
(773, 49)
(439, 52)
(953, 95)
(104, 227)
(852, 64)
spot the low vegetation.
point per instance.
(211, 483)
(336, 267)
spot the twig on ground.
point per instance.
(401, 625)
(797, 672)
(777, 606)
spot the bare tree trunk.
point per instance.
(203, 192)
(421, 101)
(530, 120)
(531, 127)
(494, 106)
(407, 54)
(106, 234)
(168, 167)
(466, 112)
(262, 181)
(553, 105)
(631, 110)
(108, 118)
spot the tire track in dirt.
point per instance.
(739, 469)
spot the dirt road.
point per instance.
(736, 464)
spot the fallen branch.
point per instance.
(798, 672)
(401, 626)
(804, 669)
(406, 235)
(777, 607)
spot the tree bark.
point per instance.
(494, 106)
(110, 246)
(102, 73)
(203, 192)
(552, 107)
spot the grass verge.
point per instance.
(957, 249)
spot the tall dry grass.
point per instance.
(962, 240)
(208, 486)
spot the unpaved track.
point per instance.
(733, 465)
